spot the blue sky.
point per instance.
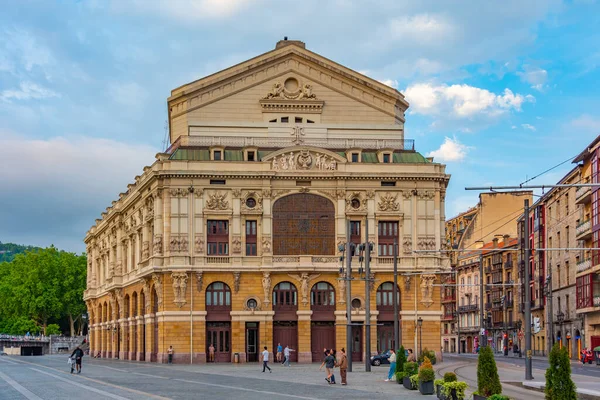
(498, 91)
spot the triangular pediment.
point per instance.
(315, 75)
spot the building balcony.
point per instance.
(509, 303)
(583, 195)
(448, 317)
(584, 265)
(508, 265)
(584, 230)
(469, 308)
(451, 298)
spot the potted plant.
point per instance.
(454, 390)
(410, 369)
(559, 384)
(438, 384)
(400, 360)
(400, 377)
(414, 382)
(498, 397)
(488, 381)
(426, 377)
(429, 354)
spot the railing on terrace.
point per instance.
(470, 307)
(584, 265)
(217, 260)
(281, 142)
(508, 264)
(583, 227)
(582, 191)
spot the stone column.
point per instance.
(122, 338)
(140, 338)
(304, 336)
(119, 265)
(149, 323)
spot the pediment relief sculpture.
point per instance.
(388, 202)
(217, 201)
(291, 89)
(304, 160)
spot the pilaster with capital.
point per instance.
(119, 264)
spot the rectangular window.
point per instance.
(251, 156)
(217, 155)
(355, 234)
(354, 157)
(298, 120)
(285, 119)
(217, 238)
(584, 291)
(387, 232)
(251, 238)
(388, 183)
(386, 158)
(217, 182)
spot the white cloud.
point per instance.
(513, 127)
(23, 50)
(421, 27)
(183, 10)
(535, 76)
(462, 101)
(450, 150)
(586, 123)
(528, 126)
(390, 82)
(28, 91)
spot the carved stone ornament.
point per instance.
(266, 246)
(266, 193)
(303, 160)
(426, 243)
(236, 245)
(388, 202)
(426, 194)
(371, 282)
(217, 201)
(236, 193)
(179, 288)
(112, 299)
(407, 245)
(111, 270)
(290, 90)
(247, 206)
(119, 268)
(236, 281)
(427, 289)
(157, 245)
(119, 298)
(304, 280)
(407, 194)
(146, 288)
(355, 202)
(407, 280)
(199, 280)
(342, 288)
(266, 284)
(370, 194)
(199, 244)
(145, 250)
(304, 189)
(179, 192)
(252, 309)
(158, 287)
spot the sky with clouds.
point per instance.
(498, 91)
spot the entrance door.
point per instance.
(252, 341)
(385, 337)
(322, 336)
(219, 334)
(469, 344)
(286, 333)
(357, 349)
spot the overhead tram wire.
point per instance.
(548, 170)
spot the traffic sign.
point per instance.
(520, 335)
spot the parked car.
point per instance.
(382, 358)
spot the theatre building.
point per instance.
(231, 237)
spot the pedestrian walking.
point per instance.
(279, 350)
(286, 355)
(77, 355)
(329, 364)
(343, 365)
(211, 353)
(265, 359)
(411, 356)
(392, 360)
(170, 353)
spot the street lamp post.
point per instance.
(420, 325)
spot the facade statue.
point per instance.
(266, 284)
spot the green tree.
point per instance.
(53, 329)
(400, 359)
(488, 381)
(74, 284)
(559, 385)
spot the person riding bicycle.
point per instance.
(78, 355)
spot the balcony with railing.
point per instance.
(508, 265)
(469, 308)
(448, 297)
(583, 195)
(584, 265)
(583, 231)
(448, 317)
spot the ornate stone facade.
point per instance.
(236, 226)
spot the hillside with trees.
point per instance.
(41, 291)
(8, 251)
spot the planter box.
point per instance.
(426, 387)
(406, 382)
(478, 397)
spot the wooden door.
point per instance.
(219, 334)
(303, 224)
(357, 343)
(385, 337)
(322, 335)
(286, 333)
(252, 341)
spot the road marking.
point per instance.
(87, 388)
(130, 372)
(151, 376)
(19, 388)
(247, 390)
(9, 362)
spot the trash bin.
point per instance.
(236, 357)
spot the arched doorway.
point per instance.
(218, 320)
(303, 224)
(285, 320)
(322, 330)
(385, 319)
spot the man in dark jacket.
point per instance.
(77, 355)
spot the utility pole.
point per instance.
(396, 322)
(527, 322)
(348, 297)
(550, 309)
(482, 335)
(367, 299)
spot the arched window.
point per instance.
(134, 305)
(285, 296)
(218, 296)
(100, 313)
(322, 296)
(126, 307)
(385, 296)
(142, 302)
